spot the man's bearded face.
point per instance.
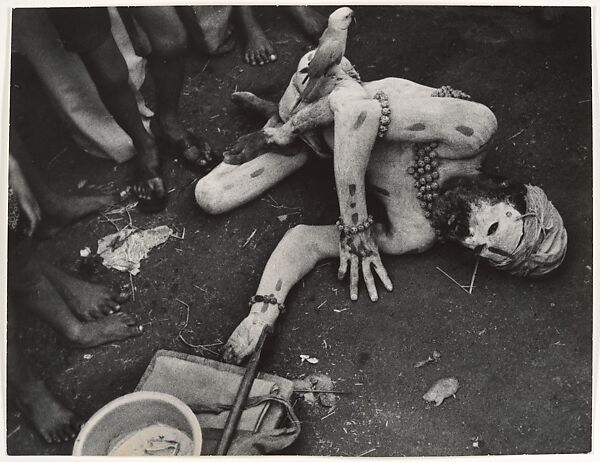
(495, 230)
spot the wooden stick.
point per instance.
(333, 392)
(451, 278)
(474, 274)
(242, 395)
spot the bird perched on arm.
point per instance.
(329, 53)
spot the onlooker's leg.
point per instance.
(310, 21)
(57, 210)
(87, 31)
(52, 419)
(168, 38)
(259, 49)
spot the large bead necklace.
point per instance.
(424, 170)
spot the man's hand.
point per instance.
(246, 148)
(361, 250)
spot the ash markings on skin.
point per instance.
(257, 172)
(278, 285)
(355, 218)
(363, 251)
(264, 307)
(360, 251)
(418, 127)
(378, 190)
(352, 189)
(360, 120)
(352, 205)
(467, 131)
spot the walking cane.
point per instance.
(242, 395)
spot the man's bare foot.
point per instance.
(259, 50)
(252, 103)
(86, 300)
(112, 328)
(183, 144)
(242, 342)
(54, 421)
(72, 209)
(310, 21)
(246, 148)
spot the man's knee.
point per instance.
(301, 238)
(209, 194)
(172, 43)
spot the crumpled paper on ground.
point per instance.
(124, 250)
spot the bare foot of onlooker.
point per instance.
(310, 21)
(44, 300)
(259, 50)
(87, 300)
(51, 418)
(70, 209)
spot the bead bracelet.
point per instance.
(354, 229)
(384, 120)
(270, 299)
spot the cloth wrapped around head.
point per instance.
(544, 243)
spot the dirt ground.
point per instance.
(520, 348)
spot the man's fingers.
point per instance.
(369, 280)
(232, 159)
(353, 277)
(343, 268)
(382, 273)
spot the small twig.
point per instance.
(323, 303)
(13, 432)
(277, 205)
(108, 220)
(274, 201)
(367, 452)
(205, 66)
(56, 156)
(132, 286)
(328, 415)
(178, 237)
(474, 274)
(333, 392)
(157, 320)
(452, 279)
(517, 134)
(191, 183)
(584, 101)
(180, 333)
(121, 210)
(129, 215)
(249, 238)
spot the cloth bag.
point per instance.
(209, 388)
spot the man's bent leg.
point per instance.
(230, 186)
(297, 253)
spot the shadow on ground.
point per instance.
(520, 348)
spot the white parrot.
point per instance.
(329, 53)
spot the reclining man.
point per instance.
(420, 149)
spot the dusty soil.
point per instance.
(520, 348)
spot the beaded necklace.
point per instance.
(425, 167)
